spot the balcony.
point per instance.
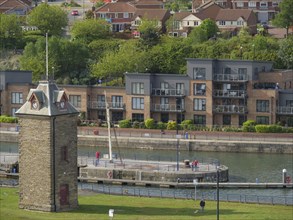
(230, 93)
(168, 92)
(232, 109)
(102, 105)
(167, 108)
(231, 77)
(285, 110)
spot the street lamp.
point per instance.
(218, 177)
(241, 52)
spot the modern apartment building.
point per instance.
(212, 92)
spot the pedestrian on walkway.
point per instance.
(202, 205)
(97, 158)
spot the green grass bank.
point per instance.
(94, 206)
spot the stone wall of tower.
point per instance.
(35, 163)
(43, 166)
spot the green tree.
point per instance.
(46, 18)
(284, 19)
(150, 32)
(90, 29)
(210, 27)
(10, 30)
(285, 52)
(198, 35)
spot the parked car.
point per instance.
(74, 12)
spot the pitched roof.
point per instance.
(157, 14)
(181, 15)
(10, 5)
(233, 14)
(116, 7)
(210, 11)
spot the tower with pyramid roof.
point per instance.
(47, 150)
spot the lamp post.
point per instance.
(253, 51)
(172, 13)
(177, 145)
(241, 52)
(218, 194)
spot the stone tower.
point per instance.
(47, 150)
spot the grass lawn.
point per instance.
(96, 206)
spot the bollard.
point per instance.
(284, 177)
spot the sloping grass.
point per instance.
(96, 206)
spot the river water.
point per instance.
(243, 167)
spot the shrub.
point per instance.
(249, 123)
(268, 129)
(249, 126)
(141, 125)
(171, 125)
(8, 119)
(186, 123)
(135, 124)
(275, 129)
(125, 123)
(150, 123)
(161, 125)
(231, 129)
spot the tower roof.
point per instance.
(47, 100)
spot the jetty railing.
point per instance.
(184, 194)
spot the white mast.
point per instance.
(109, 128)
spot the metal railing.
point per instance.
(231, 77)
(168, 92)
(167, 108)
(184, 194)
(230, 93)
(230, 109)
(285, 110)
(102, 105)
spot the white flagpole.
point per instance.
(47, 62)
(109, 128)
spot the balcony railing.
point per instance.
(168, 92)
(231, 77)
(167, 108)
(285, 110)
(234, 109)
(102, 105)
(230, 93)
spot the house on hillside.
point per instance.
(233, 20)
(18, 7)
(118, 14)
(159, 15)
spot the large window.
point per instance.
(199, 119)
(199, 88)
(199, 73)
(137, 103)
(262, 106)
(137, 117)
(137, 88)
(16, 98)
(179, 88)
(117, 101)
(75, 100)
(101, 101)
(262, 120)
(199, 104)
(252, 4)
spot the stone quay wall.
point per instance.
(171, 144)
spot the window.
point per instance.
(252, 4)
(242, 71)
(226, 119)
(240, 23)
(137, 88)
(262, 105)
(223, 23)
(101, 101)
(227, 70)
(117, 116)
(164, 117)
(64, 153)
(275, 4)
(289, 103)
(199, 88)
(262, 120)
(179, 88)
(164, 103)
(125, 15)
(102, 15)
(242, 119)
(196, 23)
(199, 73)
(137, 117)
(64, 194)
(16, 98)
(102, 115)
(199, 104)
(13, 110)
(137, 103)
(199, 119)
(75, 100)
(263, 4)
(240, 4)
(117, 101)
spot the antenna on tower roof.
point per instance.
(47, 65)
